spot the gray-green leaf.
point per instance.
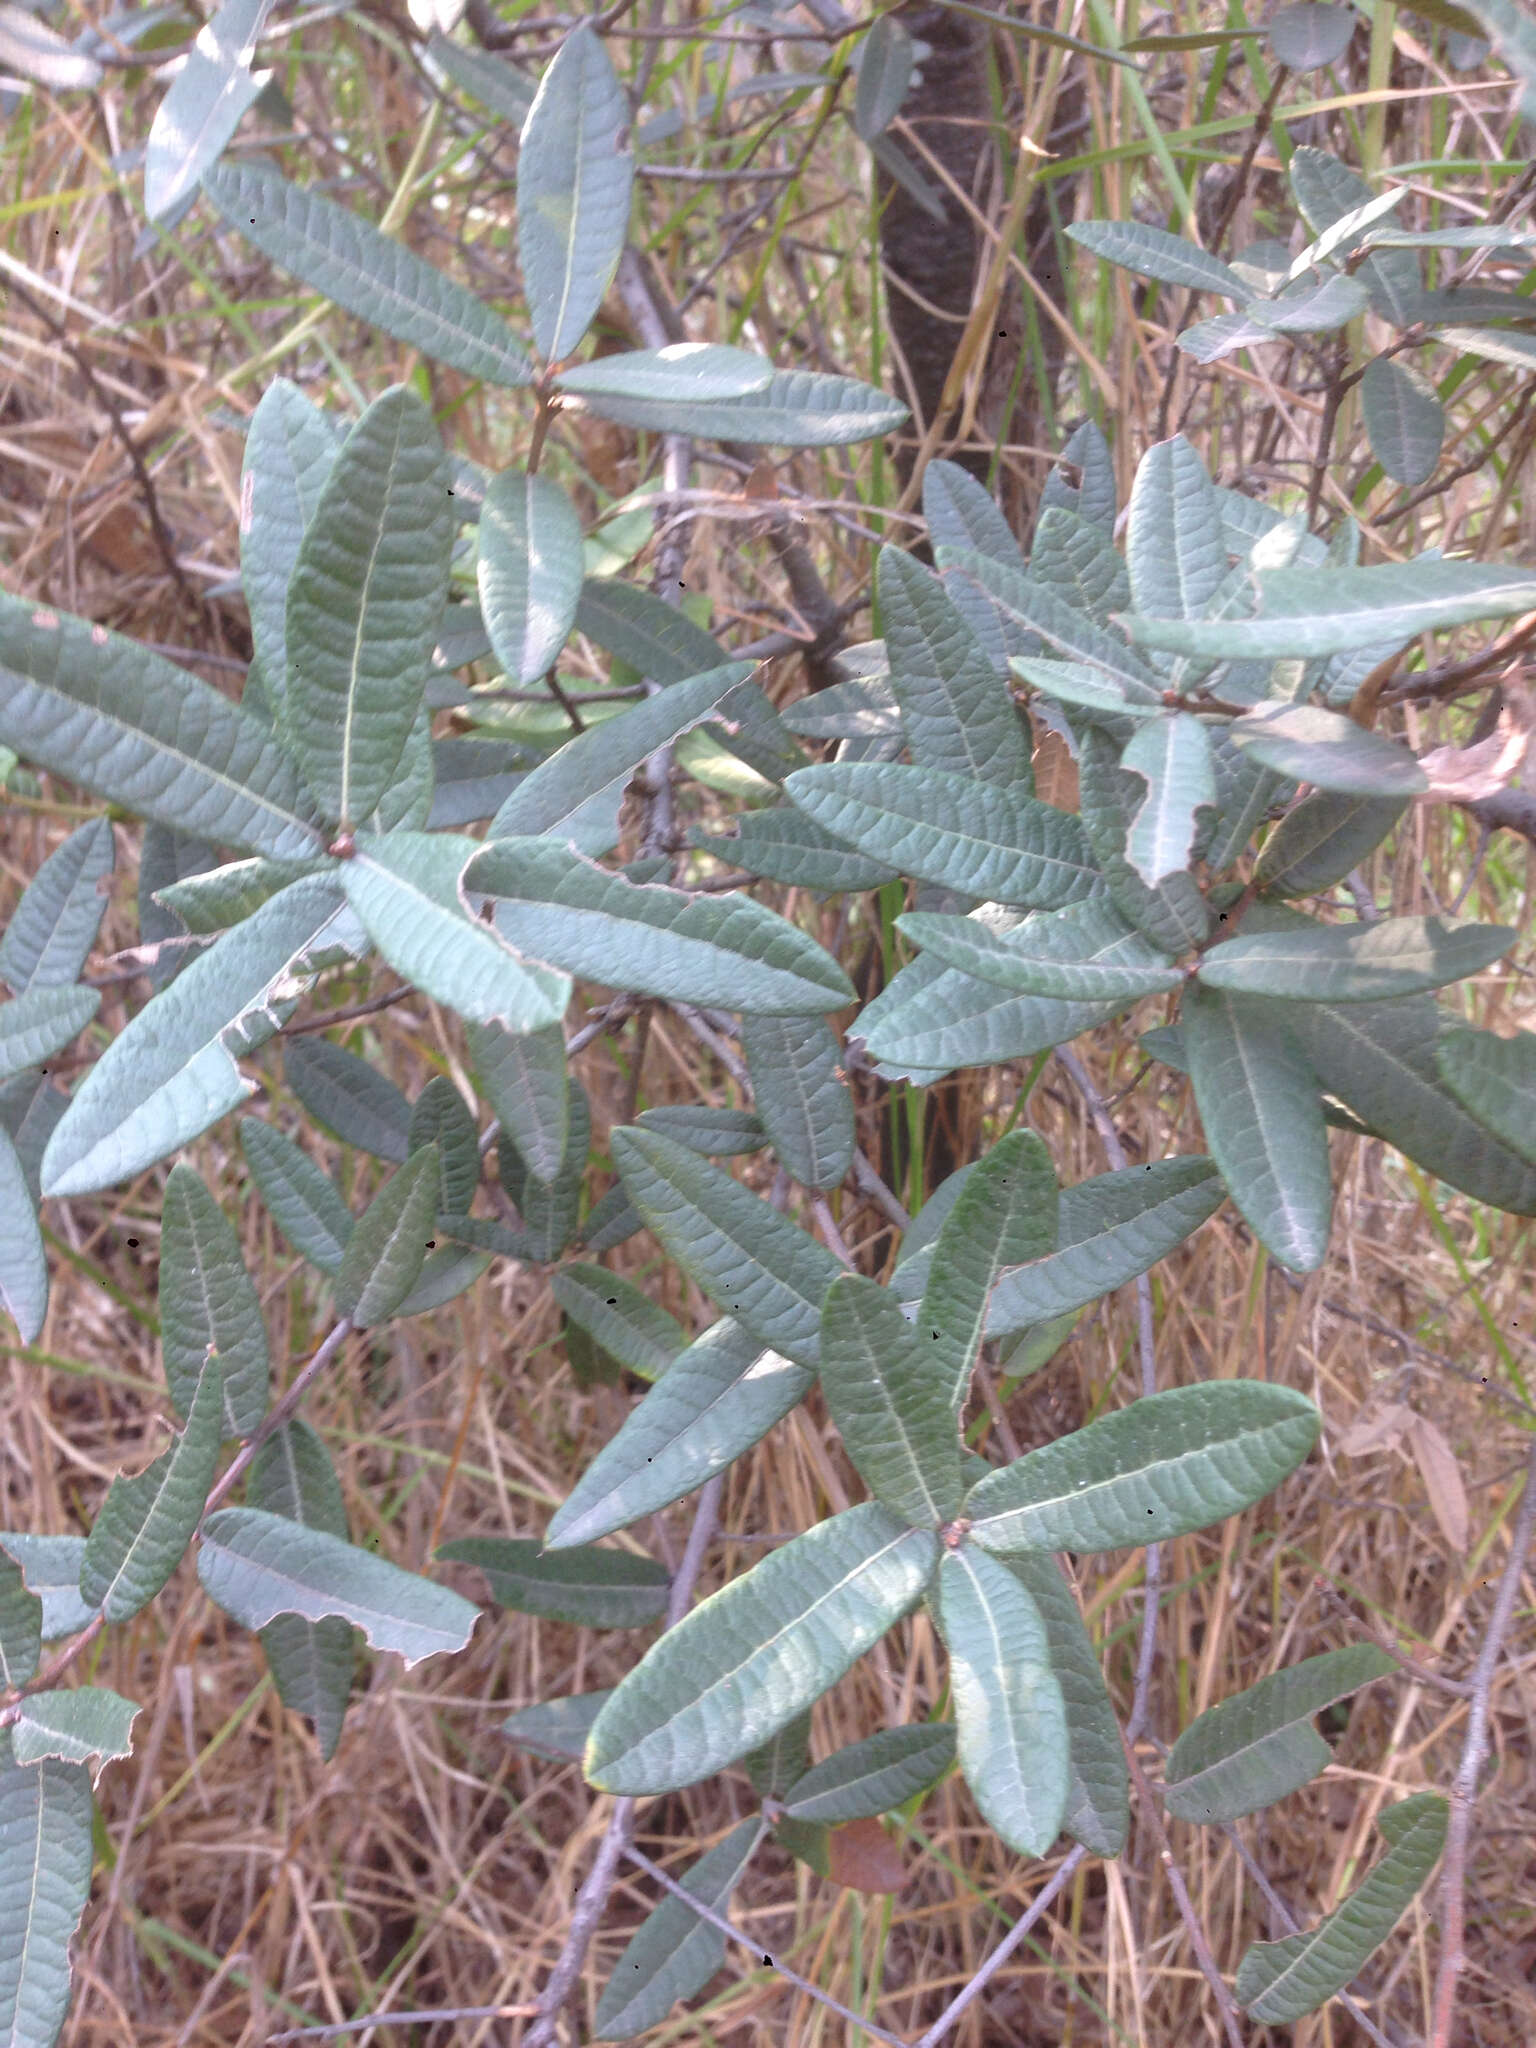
(23, 1261)
(1172, 755)
(757, 1653)
(1404, 418)
(673, 1953)
(290, 450)
(349, 1098)
(366, 273)
(54, 926)
(45, 1880)
(388, 1245)
(956, 709)
(530, 571)
(891, 1399)
(1263, 1115)
(797, 409)
(629, 1326)
(1495, 1079)
(1281, 1981)
(257, 1566)
(1355, 963)
(1010, 1716)
(310, 1660)
(1166, 1465)
(208, 1305)
(590, 1587)
(1153, 252)
(1259, 1747)
(755, 1263)
(146, 1523)
(883, 1771)
(801, 1095)
(1084, 952)
(522, 1076)
(75, 1726)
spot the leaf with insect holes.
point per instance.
(366, 272)
(751, 1657)
(1260, 1746)
(1168, 1464)
(1279, 1982)
(257, 1566)
(1172, 755)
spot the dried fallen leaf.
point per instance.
(1376, 1429)
(863, 1856)
(1465, 774)
(1441, 1473)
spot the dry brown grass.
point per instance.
(242, 1883)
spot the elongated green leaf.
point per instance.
(885, 63)
(310, 1661)
(1085, 952)
(23, 1262)
(938, 827)
(257, 1566)
(1166, 1465)
(36, 1025)
(45, 1880)
(1259, 1747)
(755, 1263)
(1355, 963)
(863, 707)
(50, 1566)
(1005, 1215)
(575, 171)
(113, 717)
(146, 1523)
(1153, 252)
(1109, 1229)
(892, 1401)
(556, 907)
(788, 846)
(211, 902)
(75, 1726)
(54, 926)
(30, 1109)
(208, 1305)
(1404, 418)
(1172, 755)
(1328, 750)
(290, 450)
(1173, 913)
(409, 891)
(703, 1128)
(1079, 564)
(1495, 1080)
(523, 1078)
(956, 710)
(673, 1953)
(1281, 1981)
(801, 1095)
(366, 273)
(1076, 637)
(492, 80)
(873, 1776)
(1381, 1059)
(530, 571)
(1304, 612)
(757, 1653)
(600, 762)
(1074, 682)
(798, 409)
(715, 1400)
(388, 1244)
(782, 1760)
(21, 1626)
(961, 513)
(557, 1728)
(631, 1327)
(204, 106)
(1010, 1716)
(591, 1587)
(1175, 546)
(172, 1072)
(1322, 839)
(445, 1274)
(654, 637)
(686, 370)
(1097, 1812)
(1263, 1115)
(351, 1099)
(365, 603)
(441, 1117)
(930, 1018)
(549, 1208)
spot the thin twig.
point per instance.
(1015, 1936)
(592, 1899)
(1147, 1806)
(278, 1414)
(1473, 1754)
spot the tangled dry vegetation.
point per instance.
(243, 1886)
